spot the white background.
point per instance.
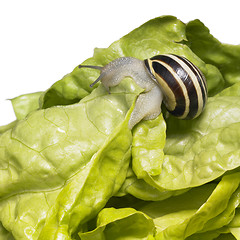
(41, 41)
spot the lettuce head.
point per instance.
(70, 168)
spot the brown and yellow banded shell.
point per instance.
(182, 83)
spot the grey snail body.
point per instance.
(169, 78)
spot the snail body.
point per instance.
(168, 78)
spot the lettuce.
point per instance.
(24, 104)
(72, 169)
(123, 223)
(224, 56)
(46, 157)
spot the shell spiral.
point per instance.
(182, 83)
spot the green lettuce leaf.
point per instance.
(125, 223)
(222, 233)
(4, 234)
(23, 215)
(147, 148)
(226, 237)
(65, 149)
(179, 219)
(97, 182)
(196, 151)
(24, 104)
(225, 57)
(204, 212)
(190, 149)
(142, 190)
(234, 225)
(6, 127)
(234, 90)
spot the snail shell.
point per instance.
(182, 83)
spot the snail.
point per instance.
(167, 78)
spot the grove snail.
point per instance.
(169, 78)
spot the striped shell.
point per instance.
(182, 83)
